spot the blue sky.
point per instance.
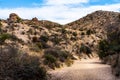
(33, 3)
(61, 11)
(18, 3)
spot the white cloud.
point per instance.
(57, 13)
(65, 2)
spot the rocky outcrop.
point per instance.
(35, 19)
(14, 18)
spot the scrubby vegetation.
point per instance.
(103, 49)
(85, 49)
(109, 50)
(110, 46)
(89, 32)
(55, 57)
(52, 44)
(15, 64)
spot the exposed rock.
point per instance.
(13, 18)
(35, 19)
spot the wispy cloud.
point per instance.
(61, 13)
(65, 2)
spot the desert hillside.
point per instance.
(30, 47)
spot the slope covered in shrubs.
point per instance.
(48, 44)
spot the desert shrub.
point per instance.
(68, 62)
(48, 26)
(61, 55)
(3, 37)
(14, 37)
(50, 60)
(88, 32)
(82, 33)
(30, 31)
(39, 44)
(20, 41)
(44, 45)
(22, 33)
(81, 29)
(73, 38)
(74, 34)
(35, 26)
(57, 56)
(34, 39)
(63, 30)
(56, 39)
(15, 64)
(103, 48)
(19, 20)
(44, 38)
(85, 49)
(35, 48)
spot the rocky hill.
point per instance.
(106, 26)
(55, 44)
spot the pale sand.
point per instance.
(90, 69)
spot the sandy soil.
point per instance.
(90, 69)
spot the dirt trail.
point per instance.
(90, 69)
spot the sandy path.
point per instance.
(90, 69)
